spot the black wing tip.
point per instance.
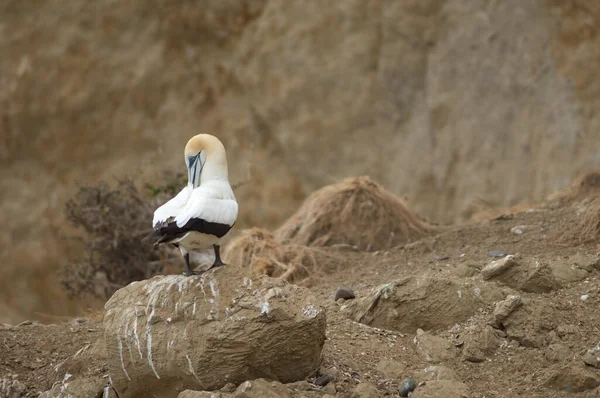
(153, 234)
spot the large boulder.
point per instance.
(413, 303)
(173, 333)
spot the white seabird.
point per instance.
(204, 212)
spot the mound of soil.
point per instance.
(358, 212)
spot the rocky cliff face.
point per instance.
(454, 103)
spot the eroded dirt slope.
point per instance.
(506, 307)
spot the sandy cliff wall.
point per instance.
(452, 103)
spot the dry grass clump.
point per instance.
(584, 185)
(114, 221)
(258, 250)
(586, 227)
(589, 223)
(357, 212)
(581, 203)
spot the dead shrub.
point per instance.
(114, 220)
(260, 251)
(357, 212)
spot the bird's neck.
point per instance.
(213, 170)
(210, 172)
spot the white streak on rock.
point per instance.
(120, 343)
(213, 288)
(149, 343)
(137, 338)
(128, 341)
(192, 368)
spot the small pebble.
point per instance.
(408, 385)
(518, 230)
(585, 297)
(497, 253)
(229, 387)
(344, 293)
(590, 358)
(323, 380)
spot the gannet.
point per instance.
(204, 212)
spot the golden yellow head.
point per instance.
(203, 142)
(205, 159)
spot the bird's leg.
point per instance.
(188, 269)
(218, 261)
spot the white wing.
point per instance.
(212, 201)
(173, 207)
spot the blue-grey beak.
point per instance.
(194, 170)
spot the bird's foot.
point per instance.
(216, 264)
(190, 273)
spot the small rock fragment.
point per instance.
(434, 349)
(592, 358)
(229, 387)
(323, 380)
(80, 387)
(582, 261)
(391, 369)
(301, 385)
(408, 386)
(344, 293)
(574, 377)
(437, 372)
(260, 388)
(565, 330)
(330, 388)
(366, 390)
(442, 389)
(204, 394)
(466, 269)
(333, 371)
(519, 229)
(540, 280)
(480, 345)
(584, 297)
(498, 266)
(557, 352)
(567, 271)
(505, 308)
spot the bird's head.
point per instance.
(205, 159)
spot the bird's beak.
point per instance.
(194, 170)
